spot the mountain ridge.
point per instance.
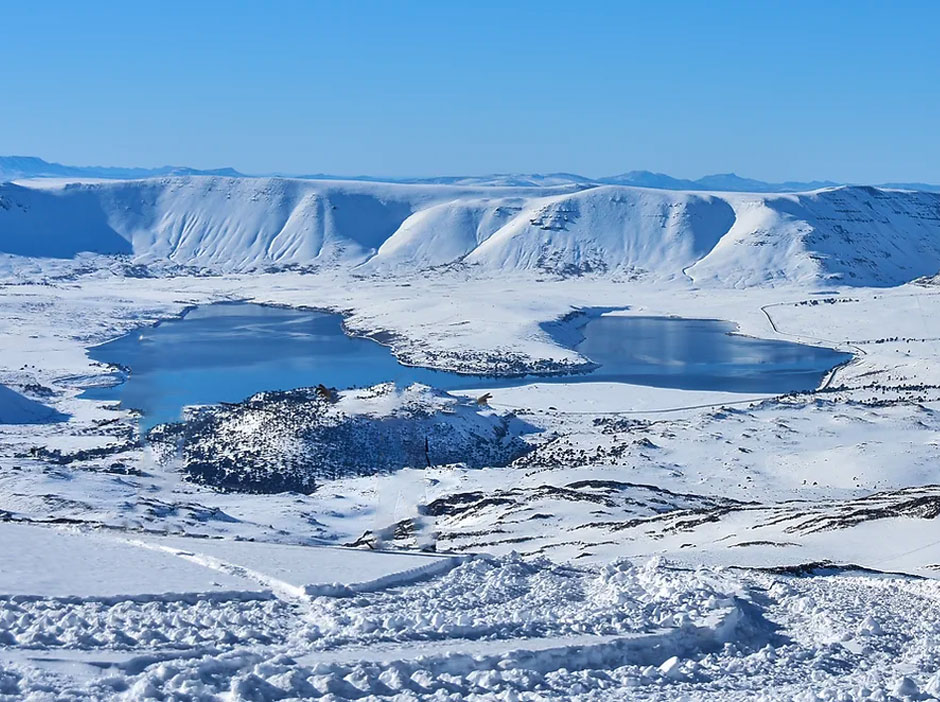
(850, 235)
(22, 167)
(26, 167)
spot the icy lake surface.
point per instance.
(227, 352)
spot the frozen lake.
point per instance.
(226, 352)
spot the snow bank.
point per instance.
(61, 563)
(69, 565)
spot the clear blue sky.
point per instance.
(847, 90)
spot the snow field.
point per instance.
(493, 623)
(150, 624)
(706, 480)
(621, 631)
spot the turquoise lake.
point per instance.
(227, 352)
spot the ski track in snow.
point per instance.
(543, 631)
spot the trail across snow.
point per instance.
(495, 629)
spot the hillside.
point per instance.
(607, 229)
(852, 235)
(18, 409)
(297, 439)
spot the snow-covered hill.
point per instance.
(597, 230)
(224, 223)
(848, 235)
(17, 409)
(294, 440)
(852, 235)
(609, 228)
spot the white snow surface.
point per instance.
(47, 561)
(656, 545)
(851, 235)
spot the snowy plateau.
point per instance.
(572, 541)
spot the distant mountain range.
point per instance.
(15, 167)
(19, 167)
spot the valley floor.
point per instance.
(656, 544)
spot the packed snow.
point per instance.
(594, 541)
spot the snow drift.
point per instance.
(850, 235)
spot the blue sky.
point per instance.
(773, 90)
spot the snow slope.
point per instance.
(599, 229)
(44, 561)
(609, 228)
(445, 233)
(17, 409)
(224, 223)
(852, 235)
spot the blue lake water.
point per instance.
(226, 352)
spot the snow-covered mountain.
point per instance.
(25, 167)
(853, 235)
(726, 182)
(607, 229)
(849, 235)
(516, 180)
(14, 167)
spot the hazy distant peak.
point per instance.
(19, 167)
(15, 167)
